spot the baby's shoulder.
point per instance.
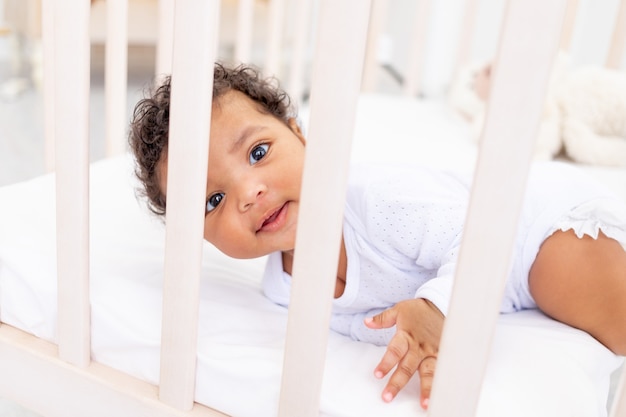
(378, 191)
(400, 181)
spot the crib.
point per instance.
(217, 347)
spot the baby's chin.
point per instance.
(239, 254)
(235, 251)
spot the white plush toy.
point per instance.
(593, 108)
(584, 115)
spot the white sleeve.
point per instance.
(420, 216)
(276, 283)
(354, 326)
(439, 290)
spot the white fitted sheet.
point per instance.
(538, 367)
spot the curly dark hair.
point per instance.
(149, 128)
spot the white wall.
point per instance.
(595, 21)
(594, 26)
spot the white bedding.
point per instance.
(538, 367)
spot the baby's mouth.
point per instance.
(274, 220)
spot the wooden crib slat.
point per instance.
(47, 31)
(71, 39)
(302, 28)
(245, 21)
(618, 39)
(115, 81)
(618, 409)
(466, 34)
(165, 41)
(275, 23)
(333, 107)
(569, 24)
(378, 17)
(195, 45)
(419, 32)
(513, 114)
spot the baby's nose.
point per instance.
(250, 193)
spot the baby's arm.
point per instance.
(419, 324)
(413, 348)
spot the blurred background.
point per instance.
(21, 111)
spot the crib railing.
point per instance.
(195, 44)
(189, 45)
(333, 111)
(488, 236)
(71, 137)
(618, 40)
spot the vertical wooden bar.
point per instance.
(116, 75)
(513, 114)
(466, 36)
(47, 38)
(243, 44)
(419, 33)
(618, 409)
(302, 27)
(569, 24)
(618, 40)
(275, 25)
(195, 46)
(333, 108)
(71, 104)
(165, 38)
(378, 17)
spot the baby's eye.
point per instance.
(214, 201)
(258, 153)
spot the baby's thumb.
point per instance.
(382, 320)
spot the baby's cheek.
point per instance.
(209, 234)
(224, 242)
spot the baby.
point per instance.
(401, 233)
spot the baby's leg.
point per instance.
(582, 282)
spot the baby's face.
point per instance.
(254, 177)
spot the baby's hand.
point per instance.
(413, 348)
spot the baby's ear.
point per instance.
(295, 128)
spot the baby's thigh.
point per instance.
(582, 282)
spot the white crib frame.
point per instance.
(61, 380)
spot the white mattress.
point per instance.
(538, 367)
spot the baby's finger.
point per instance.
(404, 372)
(427, 373)
(382, 320)
(396, 350)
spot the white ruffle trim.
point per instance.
(606, 215)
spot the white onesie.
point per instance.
(402, 233)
